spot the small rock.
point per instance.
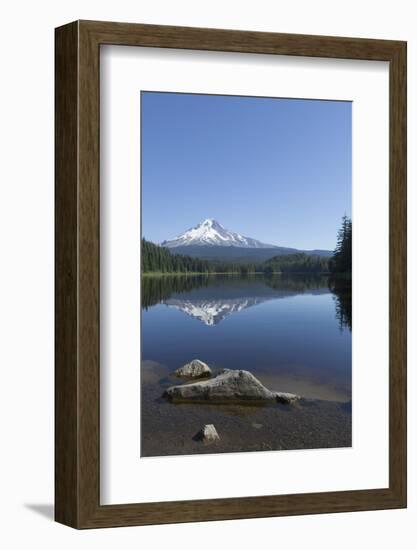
(194, 369)
(209, 434)
(257, 425)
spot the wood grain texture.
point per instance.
(66, 236)
(78, 285)
(398, 273)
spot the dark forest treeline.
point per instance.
(157, 259)
(296, 263)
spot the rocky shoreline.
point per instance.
(173, 426)
(169, 428)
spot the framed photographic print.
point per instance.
(230, 274)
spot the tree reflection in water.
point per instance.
(157, 289)
(341, 287)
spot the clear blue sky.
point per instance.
(277, 170)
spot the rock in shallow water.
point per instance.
(230, 386)
(208, 434)
(194, 369)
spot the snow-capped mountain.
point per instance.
(211, 233)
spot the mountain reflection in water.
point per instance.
(211, 312)
(211, 299)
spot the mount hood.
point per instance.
(211, 233)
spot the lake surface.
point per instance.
(293, 332)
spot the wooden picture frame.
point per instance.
(77, 382)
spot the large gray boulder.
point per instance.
(194, 369)
(230, 386)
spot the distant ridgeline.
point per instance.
(158, 259)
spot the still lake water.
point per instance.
(291, 331)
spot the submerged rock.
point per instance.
(257, 425)
(230, 386)
(284, 397)
(208, 434)
(194, 369)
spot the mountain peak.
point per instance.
(209, 222)
(210, 232)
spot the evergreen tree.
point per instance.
(341, 261)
